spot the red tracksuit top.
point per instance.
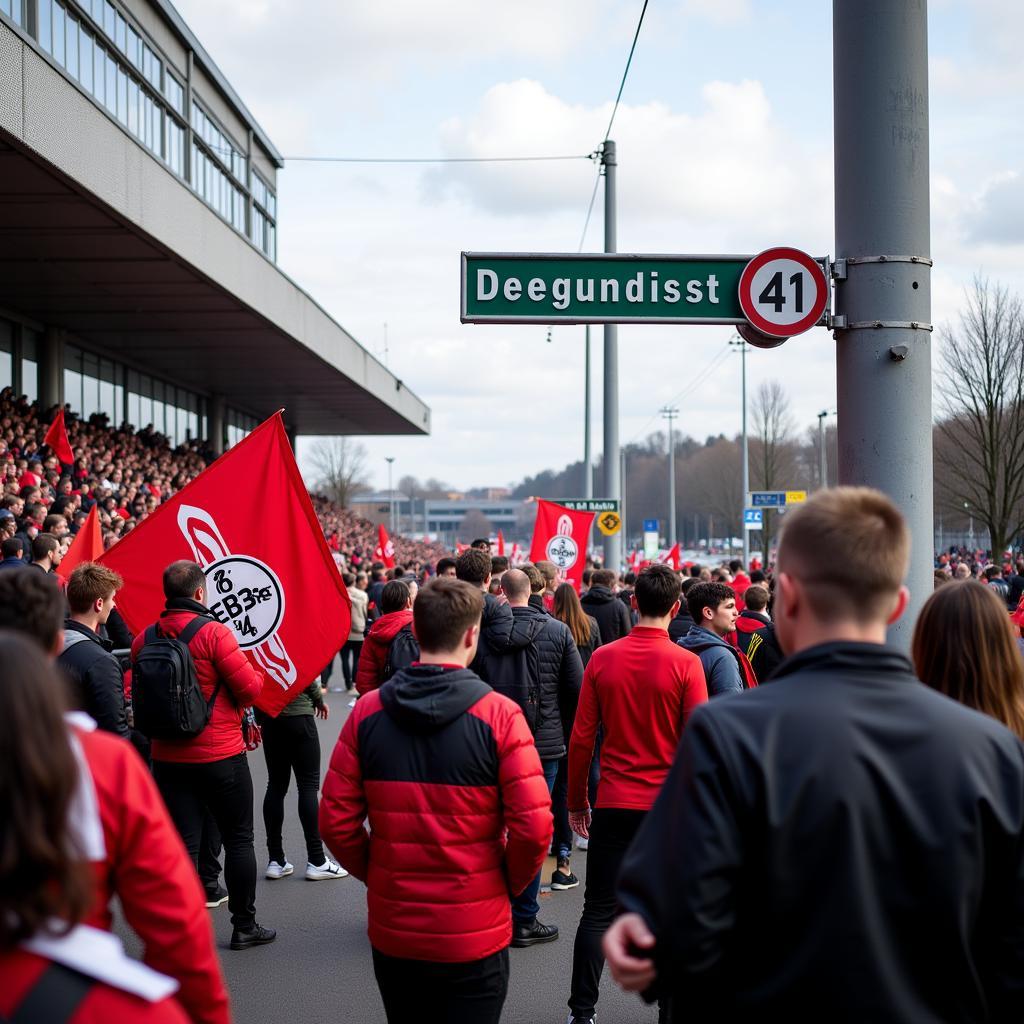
(641, 689)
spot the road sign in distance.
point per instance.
(776, 499)
(609, 523)
(590, 504)
(783, 292)
(650, 526)
(753, 518)
(796, 497)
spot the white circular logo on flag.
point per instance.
(245, 594)
(562, 551)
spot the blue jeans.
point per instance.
(525, 906)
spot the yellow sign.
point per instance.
(796, 497)
(609, 523)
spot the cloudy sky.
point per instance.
(725, 145)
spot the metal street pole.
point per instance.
(389, 459)
(588, 472)
(622, 503)
(883, 275)
(822, 449)
(612, 476)
(670, 413)
(737, 341)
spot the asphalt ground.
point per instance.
(319, 970)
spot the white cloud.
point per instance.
(724, 13)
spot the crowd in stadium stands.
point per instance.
(128, 473)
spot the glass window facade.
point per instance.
(98, 46)
(19, 359)
(236, 426)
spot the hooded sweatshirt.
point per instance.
(612, 615)
(446, 772)
(373, 658)
(725, 668)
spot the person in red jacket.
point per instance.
(209, 772)
(641, 690)
(396, 607)
(446, 772)
(128, 844)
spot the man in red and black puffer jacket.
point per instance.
(209, 772)
(446, 772)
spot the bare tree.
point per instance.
(772, 448)
(981, 394)
(474, 525)
(340, 467)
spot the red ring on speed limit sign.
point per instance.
(749, 303)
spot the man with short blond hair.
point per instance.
(844, 844)
(94, 673)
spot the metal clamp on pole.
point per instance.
(924, 260)
(913, 325)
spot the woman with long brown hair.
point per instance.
(47, 955)
(964, 646)
(584, 628)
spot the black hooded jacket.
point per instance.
(843, 845)
(97, 682)
(612, 615)
(542, 672)
(495, 629)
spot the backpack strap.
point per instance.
(185, 636)
(54, 998)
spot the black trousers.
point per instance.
(210, 848)
(291, 744)
(467, 993)
(225, 789)
(350, 661)
(611, 832)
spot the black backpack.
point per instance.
(404, 650)
(166, 696)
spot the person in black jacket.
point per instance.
(473, 566)
(94, 673)
(542, 672)
(612, 615)
(844, 844)
(683, 621)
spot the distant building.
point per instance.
(440, 518)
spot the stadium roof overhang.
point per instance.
(100, 239)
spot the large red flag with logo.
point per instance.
(385, 550)
(561, 536)
(57, 439)
(271, 579)
(86, 547)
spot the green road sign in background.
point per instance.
(550, 288)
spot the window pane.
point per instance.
(109, 19)
(97, 11)
(134, 411)
(99, 80)
(111, 72)
(85, 58)
(71, 49)
(134, 46)
(45, 25)
(29, 379)
(73, 390)
(120, 35)
(107, 402)
(133, 107)
(122, 96)
(146, 412)
(58, 34)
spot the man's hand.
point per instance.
(322, 711)
(579, 822)
(624, 945)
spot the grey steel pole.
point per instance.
(588, 471)
(746, 461)
(622, 503)
(389, 459)
(670, 413)
(883, 364)
(612, 476)
(822, 461)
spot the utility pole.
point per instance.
(389, 459)
(622, 503)
(883, 272)
(612, 476)
(822, 450)
(738, 342)
(588, 471)
(670, 413)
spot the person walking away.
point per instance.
(446, 772)
(713, 609)
(209, 771)
(291, 745)
(600, 601)
(542, 673)
(753, 617)
(396, 616)
(95, 675)
(473, 566)
(682, 623)
(994, 578)
(739, 582)
(964, 646)
(844, 844)
(587, 637)
(640, 691)
(550, 573)
(354, 645)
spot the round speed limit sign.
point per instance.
(783, 292)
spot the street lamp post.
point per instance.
(822, 455)
(670, 413)
(390, 459)
(738, 342)
(970, 525)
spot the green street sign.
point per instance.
(561, 288)
(590, 504)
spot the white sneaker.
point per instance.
(581, 843)
(328, 869)
(275, 870)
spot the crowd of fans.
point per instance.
(127, 473)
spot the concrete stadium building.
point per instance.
(138, 240)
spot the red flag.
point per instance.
(273, 582)
(501, 545)
(459, 547)
(86, 547)
(561, 536)
(57, 439)
(673, 557)
(385, 550)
